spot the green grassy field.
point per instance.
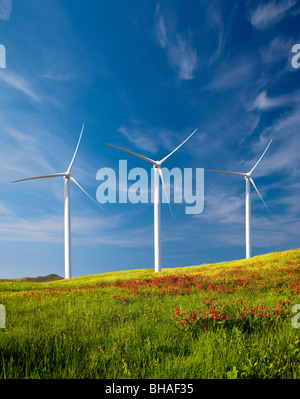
(229, 320)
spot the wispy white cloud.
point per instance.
(225, 211)
(181, 54)
(60, 77)
(5, 9)
(220, 24)
(4, 210)
(144, 138)
(224, 207)
(19, 83)
(160, 30)
(283, 155)
(263, 102)
(269, 13)
(223, 218)
(278, 49)
(157, 141)
(86, 230)
(47, 229)
(231, 75)
(183, 58)
(25, 151)
(287, 125)
(140, 139)
(215, 20)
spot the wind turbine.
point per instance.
(67, 210)
(248, 179)
(157, 175)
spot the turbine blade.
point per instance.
(163, 184)
(260, 157)
(133, 153)
(223, 171)
(41, 177)
(260, 195)
(71, 164)
(72, 178)
(163, 160)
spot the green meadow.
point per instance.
(228, 320)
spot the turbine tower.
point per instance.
(157, 176)
(67, 208)
(248, 179)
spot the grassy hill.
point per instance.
(228, 320)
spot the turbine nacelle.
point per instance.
(67, 177)
(158, 176)
(248, 179)
(247, 175)
(156, 164)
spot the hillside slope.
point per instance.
(227, 320)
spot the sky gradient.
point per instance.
(143, 75)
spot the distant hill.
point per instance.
(42, 279)
(39, 279)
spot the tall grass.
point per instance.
(123, 324)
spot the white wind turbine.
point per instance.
(67, 211)
(248, 179)
(157, 175)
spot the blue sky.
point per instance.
(143, 75)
